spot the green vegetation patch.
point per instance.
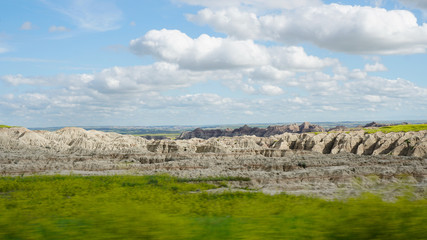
(214, 179)
(5, 126)
(399, 128)
(163, 207)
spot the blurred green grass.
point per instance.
(164, 207)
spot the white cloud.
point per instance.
(54, 28)
(330, 108)
(343, 28)
(9, 96)
(238, 84)
(157, 77)
(207, 52)
(21, 80)
(299, 100)
(141, 91)
(271, 90)
(373, 98)
(201, 99)
(319, 83)
(232, 21)
(270, 74)
(92, 15)
(296, 58)
(27, 26)
(357, 74)
(377, 67)
(393, 89)
(258, 4)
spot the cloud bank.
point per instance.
(341, 28)
(268, 64)
(207, 53)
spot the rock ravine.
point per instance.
(323, 164)
(248, 131)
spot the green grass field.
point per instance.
(163, 207)
(5, 126)
(399, 128)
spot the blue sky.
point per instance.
(186, 62)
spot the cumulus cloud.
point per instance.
(54, 28)
(270, 74)
(201, 99)
(343, 28)
(390, 88)
(295, 58)
(143, 90)
(18, 79)
(271, 90)
(261, 60)
(92, 15)
(27, 26)
(206, 52)
(299, 100)
(373, 98)
(137, 79)
(377, 67)
(330, 108)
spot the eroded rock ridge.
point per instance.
(322, 164)
(249, 131)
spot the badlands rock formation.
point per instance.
(246, 130)
(324, 164)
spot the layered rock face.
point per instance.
(248, 131)
(80, 141)
(322, 164)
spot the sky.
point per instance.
(201, 62)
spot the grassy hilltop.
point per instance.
(399, 128)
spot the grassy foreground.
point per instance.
(399, 128)
(162, 207)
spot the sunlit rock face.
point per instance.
(323, 164)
